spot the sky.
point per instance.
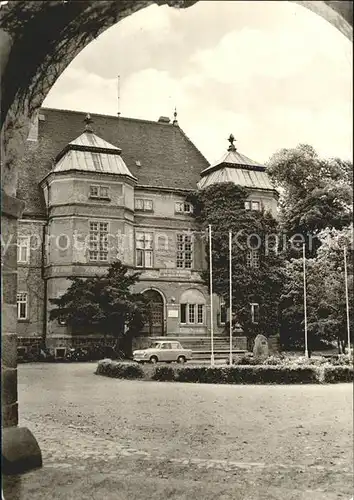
(273, 74)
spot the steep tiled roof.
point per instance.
(235, 167)
(157, 154)
(90, 153)
(241, 177)
(235, 159)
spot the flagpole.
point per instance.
(347, 297)
(305, 298)
(230, 292)
(211, 299)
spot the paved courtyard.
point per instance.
(104, 438)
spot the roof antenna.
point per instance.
(118, 92)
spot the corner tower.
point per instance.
(89, 196)
(235, 167)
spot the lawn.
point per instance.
(109, 438)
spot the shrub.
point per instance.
(272, 375)
(274, 361)
(163, 373)
(245, 360)
(342, 360)
(236, 374)
(119, 370)
(195, 374)
(333, 374)
(242, 375)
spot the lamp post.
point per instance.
(347, 298)
(211, 299)
(230, 292)
(305, 298)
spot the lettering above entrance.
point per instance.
(175, 273)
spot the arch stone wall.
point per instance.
(38, 40)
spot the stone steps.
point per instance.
(217, 354)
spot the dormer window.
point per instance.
(99, 192)
(183, 207)
(143, 205)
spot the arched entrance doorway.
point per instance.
(155, 324)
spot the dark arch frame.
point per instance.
(38, 40)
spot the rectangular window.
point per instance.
(139, 204)
(143, 205)
(183, 313)
(22, 305)
(223, 312)
(144, 249)
(183, 207)
(94, 191)
(184, 251)
(200, 316)
(252, 205)
(192, 314)
(98, 242)
(253, 258)
(100, 192)
(23, 249)
(255, 312)
(148, 205)
(104, 192)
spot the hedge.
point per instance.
(238, 374)
(116, 369)
(333, 374)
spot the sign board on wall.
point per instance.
(174, 273)
(173, 313)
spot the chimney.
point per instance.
(164, 119)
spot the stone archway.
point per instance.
(38, 40)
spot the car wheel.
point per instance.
(153, 360)
(181, 360)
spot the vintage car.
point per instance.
(166, 351)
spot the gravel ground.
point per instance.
(105, 438)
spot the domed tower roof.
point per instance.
(235, 167)
(90, 153)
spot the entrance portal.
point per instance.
(155, 324)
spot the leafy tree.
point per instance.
(326, 301)
(222, 206)
(103, 304)
(316, 193)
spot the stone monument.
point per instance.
(261, 348)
